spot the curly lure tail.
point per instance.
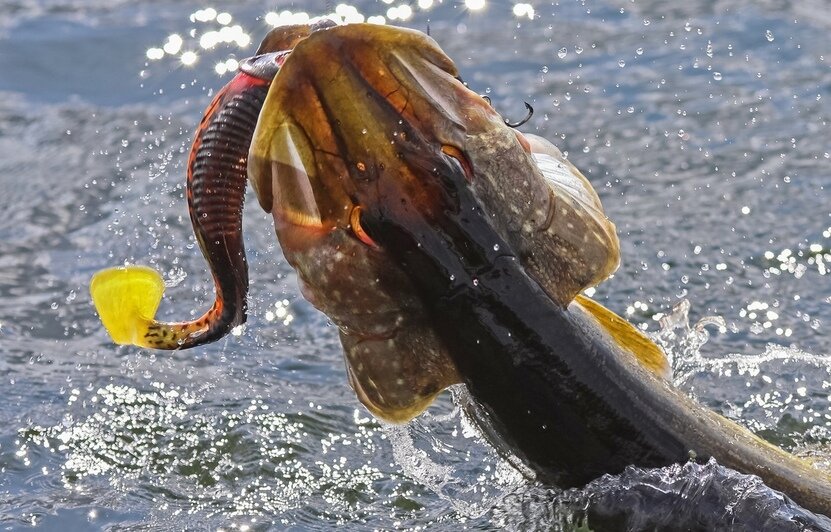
(127, 298)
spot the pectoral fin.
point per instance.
(628, 336)
(397, 378)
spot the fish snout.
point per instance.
(361, 115)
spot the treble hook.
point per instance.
(524, 120)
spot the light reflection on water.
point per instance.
(236, 37)
(703, 125)
(238, 460)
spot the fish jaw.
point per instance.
(357, 112)
(367, 123)
(315, 177)
(375, 117)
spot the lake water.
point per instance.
(704, 125)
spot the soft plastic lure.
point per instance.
(127, 297)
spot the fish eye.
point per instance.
(358, 230)
(457, 154)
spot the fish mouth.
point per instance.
(392, 185)
(367, 117)
(366, 123)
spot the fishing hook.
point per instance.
(524, 120)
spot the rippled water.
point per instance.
(704, 125)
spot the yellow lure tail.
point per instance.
(126, 299)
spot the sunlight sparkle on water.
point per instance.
(285, 18)
(222, 33)
(173, 44)
(229, 65)
(524, 10)
(475, 5)
(280, 312)
(228, 35)
(204, 15)
(188, 58)
(349, 14)
(402, 12)
(155, 53)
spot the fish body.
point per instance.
(446, 247)
(441, 213)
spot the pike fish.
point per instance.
(448, 247)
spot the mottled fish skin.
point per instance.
(370, 145)
(394, 361)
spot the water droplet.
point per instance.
(545, 70)
(476, 282)
(639, 51)
(496, 247)
(578, 50)
(363, 131)
(621, 63)
(717, 76)
(586, 149)
(769, 35)
(561, 53)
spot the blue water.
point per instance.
(704, 126)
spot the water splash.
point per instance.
(458, 465)
(781, 393)
(683, 343)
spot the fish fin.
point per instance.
(126, 299)
(397, 378)
(580, 247)
(645, 351)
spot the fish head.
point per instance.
(366, 125)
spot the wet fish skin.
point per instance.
(556, 387)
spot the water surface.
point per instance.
(704, 126)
